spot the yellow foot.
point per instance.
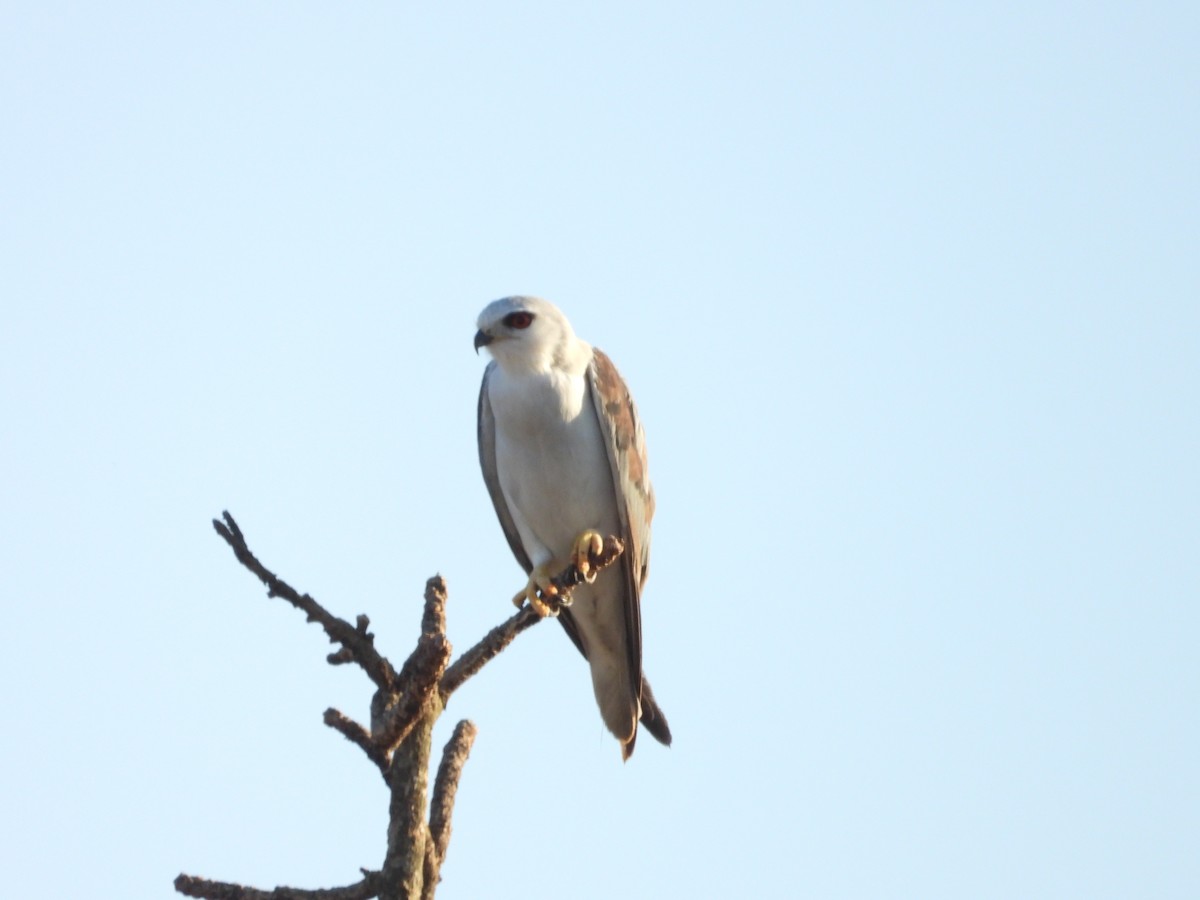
(588, 544)
(539, 580)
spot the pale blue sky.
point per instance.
(909, 298)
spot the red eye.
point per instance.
(518, 320)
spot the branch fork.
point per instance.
(404, 708)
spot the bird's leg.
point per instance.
(540, 591)
(588, 544)
(539, 579)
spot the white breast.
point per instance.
(551, 461)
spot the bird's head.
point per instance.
(527, 334)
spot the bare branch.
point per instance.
(419, 675)
(487, 649)
(191, 886)
(356, 734)
(434, 619)
(445, 788)
(403, 710)
(357, 643)
(502, 635)
(418, 707)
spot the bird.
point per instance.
(563, 455)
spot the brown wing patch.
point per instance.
(627, 431)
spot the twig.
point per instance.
(356, 734)
(357, 642)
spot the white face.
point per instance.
(523, 332)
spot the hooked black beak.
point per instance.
(482, 339)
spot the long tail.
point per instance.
(653, 718)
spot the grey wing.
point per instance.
(626, 446)
(491, 477)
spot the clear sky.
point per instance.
(908, 295)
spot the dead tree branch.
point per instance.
(191, 886)
(526, 617)
(358, 644)
(404, 708)
(445, 787)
